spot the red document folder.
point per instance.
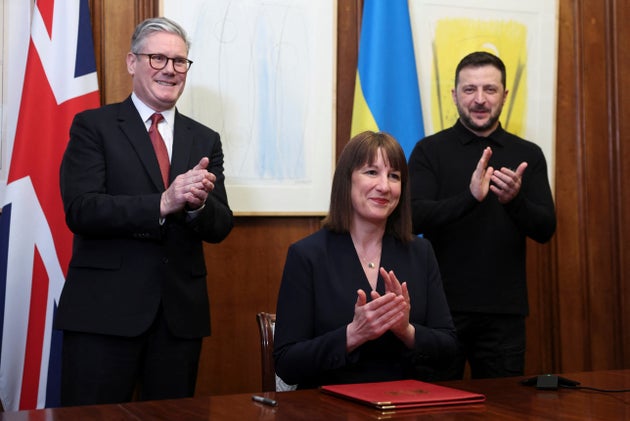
(402, 394)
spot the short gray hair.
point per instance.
(151, 25)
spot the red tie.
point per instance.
(160, 147)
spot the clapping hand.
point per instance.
(189, 189)
(403, 329)
(507, 183)
(385, 312)
(480, 179)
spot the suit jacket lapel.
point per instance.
(183, 137)
(132, 125)
(349, 266)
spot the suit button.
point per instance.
(165, 260)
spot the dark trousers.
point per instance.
(99, 369)
(493, 345)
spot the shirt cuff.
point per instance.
(191, 214)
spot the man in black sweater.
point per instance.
(477, 192)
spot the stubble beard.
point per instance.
(467, 121)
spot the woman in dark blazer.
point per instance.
(361, 299)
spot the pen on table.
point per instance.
(264, 400)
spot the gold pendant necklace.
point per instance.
(370, 263)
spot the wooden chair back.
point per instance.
(266, 323)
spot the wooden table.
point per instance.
(507, 399)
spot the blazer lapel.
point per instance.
(183, 137)
(341, 249)
(133, 127)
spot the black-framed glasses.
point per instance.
(159, 61)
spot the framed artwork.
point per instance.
(524, 34)
(264, 78)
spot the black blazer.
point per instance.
(316, 302)
(124, 262)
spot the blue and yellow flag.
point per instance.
(386, 96)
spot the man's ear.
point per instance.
(131, 61)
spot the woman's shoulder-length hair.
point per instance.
(363, 149)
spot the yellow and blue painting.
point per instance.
(456, 37)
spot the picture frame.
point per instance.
(264, 78)
(524, 34)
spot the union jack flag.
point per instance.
(35, 243)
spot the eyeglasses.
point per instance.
(159, 61)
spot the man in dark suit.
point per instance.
(135, 307)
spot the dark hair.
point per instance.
(152, 25)
(363, 149)
(478, 59)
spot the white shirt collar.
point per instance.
(146, 112)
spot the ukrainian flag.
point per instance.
(386, 95)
